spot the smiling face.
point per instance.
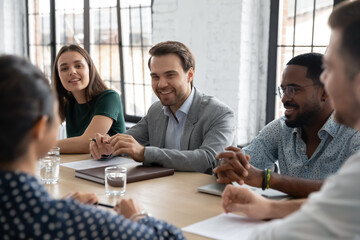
(304, 106)
(169, 81)
(73, 73)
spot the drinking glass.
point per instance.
(115, 180)
(49, 166)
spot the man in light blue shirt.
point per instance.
(278, 142)
(307, 143)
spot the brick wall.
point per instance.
(229, 39)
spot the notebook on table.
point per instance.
(134, 173)
(218, 188)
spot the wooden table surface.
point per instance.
(173, 198)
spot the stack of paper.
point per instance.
(91, 163)
(225, 226)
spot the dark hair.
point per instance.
(178, 48)
(95, 87)
(313, 63)
(25, 96)
(346, 18)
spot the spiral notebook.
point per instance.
(134, 173)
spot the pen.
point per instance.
(104, 205)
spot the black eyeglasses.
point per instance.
(290, 91)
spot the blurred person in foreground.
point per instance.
(27, 211)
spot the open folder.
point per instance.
(134, 173)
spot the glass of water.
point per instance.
(115, 181)
(49, 166)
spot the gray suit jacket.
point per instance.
(209, 128)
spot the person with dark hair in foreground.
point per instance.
(333, 212)
(28, 129)
(307, 143)
(185, 129)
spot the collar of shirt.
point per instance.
(183, 109)
(331, 127)
(175, 126)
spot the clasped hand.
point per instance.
(234, 166)
(116, 145)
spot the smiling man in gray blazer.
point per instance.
(185, 129)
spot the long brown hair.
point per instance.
(95, 87)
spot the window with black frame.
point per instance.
(39, 34)
(117, 34)
(300, 27)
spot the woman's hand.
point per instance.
(86, 198)
(128, 208)
(99, 146)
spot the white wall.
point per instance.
(12, 27)
(229, 39)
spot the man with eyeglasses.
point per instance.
(307, 143)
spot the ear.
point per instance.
(40, 128)
(190, 75)
(324, 95)
(356, 86)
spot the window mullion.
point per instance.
(87, 26)
(272, 56)
(120, 44)
(52, 31)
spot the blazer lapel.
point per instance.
(191, 119)
(161, 130)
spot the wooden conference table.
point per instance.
(173, 198)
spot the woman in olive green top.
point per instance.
(85, 102)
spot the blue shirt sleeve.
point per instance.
(263, 150)
(83, 221)
(28, 212)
